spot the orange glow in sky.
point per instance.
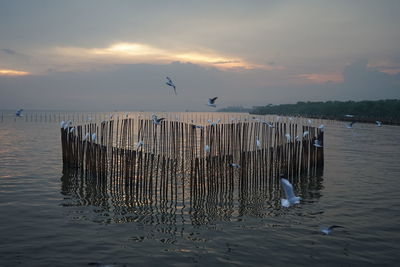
(8, 72)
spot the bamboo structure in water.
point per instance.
(154, 163)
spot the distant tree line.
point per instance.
(387, 111)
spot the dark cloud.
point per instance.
(8, 51)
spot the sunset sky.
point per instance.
(115, 55)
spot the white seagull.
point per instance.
(206, 148)
(94, 136)
(328, 230)
(139, 144)
(322, 127)
(258, 143)
(350, 125)
(170, 83)
(234, 165)
(349, 116)
(305, 133)
(19, 112)
(211, 102)
(290, 196)
(157, 121)
(317, 143)
(288, 137)
(378, 123)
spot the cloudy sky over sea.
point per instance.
(115, 55)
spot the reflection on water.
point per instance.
(115, 203)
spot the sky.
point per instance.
(116, 55)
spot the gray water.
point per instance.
(46, 221)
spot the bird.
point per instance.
(157, 121)
(309, 121)
(206, 148)
(288, 137)
(234, 165)
(317, 143)
(258, 143)
(378, 123)
(139, 144)
(198, 126)
(72, 129)
(19, 112)
(350, 125)
(305, 133)
(211, 102)
(94, 136)
(270, 125)
(86, 137)
(170, 83)
(297, 138)
(290, 196)
(328, 230)
(322, 127)
(349, 116)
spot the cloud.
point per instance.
(8, 51)
(322, 78)
(136, 53)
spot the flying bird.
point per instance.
(19, 112)
(211, 102)
(290, 196)
(170, 83)
(328, 230)
(378, 123)
(349, 116)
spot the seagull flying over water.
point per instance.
(170, 83)
(349, 116)
(211, 102)
(290, 196)
(378, 123)
(328, 230)
(19, 112)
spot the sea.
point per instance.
(48, 221)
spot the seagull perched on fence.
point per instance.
(234, 165)
(211, 102)
(139, 144)
(206, 148)
(290, 196)
(157, 121)
(350, 125)
(328, 230)
(317, 143)
(270, 125)
(19, 112)
(258, 143)
(170, 83)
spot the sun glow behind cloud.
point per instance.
(131, 53)
(8, 72)
(321, 78)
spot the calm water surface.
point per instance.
(47, 221)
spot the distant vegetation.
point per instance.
(387, 111)
(235, 109)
